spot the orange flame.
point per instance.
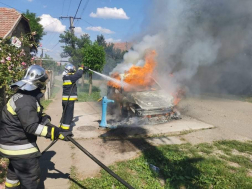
(141, 77)
(137, 76)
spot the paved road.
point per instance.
(232, 118)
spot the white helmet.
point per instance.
(69, 68)
(34, 78)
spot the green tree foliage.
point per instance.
(101, 40)
(73, 45)
(50, 64)
(35, 25)
(113, 55)
(94, 58)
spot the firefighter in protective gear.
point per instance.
(70, 77)
(22, 121)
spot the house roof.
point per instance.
(124, 46)
(9, 18)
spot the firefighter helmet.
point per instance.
(69, 68)
(34, 78)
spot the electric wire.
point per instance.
(77, 10)
(11, 7)
(69, 7)
(54, 46)
(63, 7)
(84, 8)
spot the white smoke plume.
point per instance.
(206, 45)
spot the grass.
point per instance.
(55, 90)
(83, 95)
(45, 103)
(248, 99)
(181, 166)
(58, 82)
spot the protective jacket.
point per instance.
(68, 81)
(20, 125)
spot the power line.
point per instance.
(77, 9)
(69, 7)
(84, 8)
(12, 7)
(63, 7)
(54, 46)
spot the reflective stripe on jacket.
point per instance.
(68, 81)
(20, 126)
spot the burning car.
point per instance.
(137, 93)
(139, 101)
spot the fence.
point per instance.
(49, 85)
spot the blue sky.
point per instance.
(121, 20)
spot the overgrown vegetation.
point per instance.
(3, 169)
(35, 25)
(83, 93)
(14, 59)
(182, 166)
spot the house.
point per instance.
(124, 46)
(12, 23)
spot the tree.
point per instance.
(73, 46)
(49, 64)
(94, 58)
(101, 40)
(35, 25)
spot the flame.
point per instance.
(140, 78)
(137, 76)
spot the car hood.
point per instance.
(152, 99)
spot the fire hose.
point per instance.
(85, 151)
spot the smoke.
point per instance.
(206, 45)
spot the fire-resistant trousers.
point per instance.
(23, 174)
(68, 117)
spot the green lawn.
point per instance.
(225, 164)
(248, 99)
(83, 95)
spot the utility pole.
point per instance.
(71, 19)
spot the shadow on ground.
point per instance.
(47, 165)
(179, 173)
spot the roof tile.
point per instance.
(8, 18)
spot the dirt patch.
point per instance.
(86, 128)
(236, 165)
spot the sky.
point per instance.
(117, 20)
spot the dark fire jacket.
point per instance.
(68, 81)
(20, 125)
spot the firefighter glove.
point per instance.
(64, 134)
(53, 133)
(45, 119)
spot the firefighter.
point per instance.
(22, 121)
(70, 77)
